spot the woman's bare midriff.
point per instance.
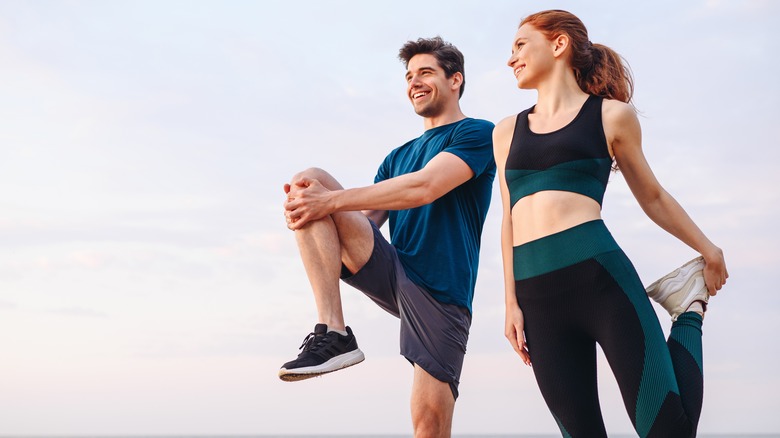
(548, 212)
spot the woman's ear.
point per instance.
(560, 44)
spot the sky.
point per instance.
(148, 284)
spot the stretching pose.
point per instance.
(568, 284)
(435, 190)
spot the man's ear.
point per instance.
(457, 80)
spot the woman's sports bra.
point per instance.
(574, 158)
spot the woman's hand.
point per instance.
(514, 333)
(715, 272)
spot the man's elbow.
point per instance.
(426, 195)
(427, 198)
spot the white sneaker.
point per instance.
(677, 290)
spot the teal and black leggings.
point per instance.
(577, 288)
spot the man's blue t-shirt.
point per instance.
(438, 244)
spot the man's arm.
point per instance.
(377, 216)
(308, 200)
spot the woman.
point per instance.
(568, 284)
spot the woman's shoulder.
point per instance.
(621, 124)
(617, 109)
(505, 128)
(507, 122)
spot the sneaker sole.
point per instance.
(337, 363)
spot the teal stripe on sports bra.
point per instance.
(587, 177)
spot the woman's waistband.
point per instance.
(562, 249)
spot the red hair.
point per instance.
(598, 69)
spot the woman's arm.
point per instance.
(624, 135)
(513, 330)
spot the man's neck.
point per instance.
(445, 118)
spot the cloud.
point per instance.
(78, 312)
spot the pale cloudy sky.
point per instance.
(148, 284)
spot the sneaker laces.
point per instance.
(311, 343)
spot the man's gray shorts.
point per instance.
(433, 334)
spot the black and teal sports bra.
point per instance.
(574, 158)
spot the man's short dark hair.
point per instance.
(449, 57)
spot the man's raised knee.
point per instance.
(312, 172)
(324, 178)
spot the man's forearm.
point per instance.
(400, 193)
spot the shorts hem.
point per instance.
(449, 380)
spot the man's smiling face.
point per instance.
(427, 86)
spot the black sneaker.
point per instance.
(322, 352)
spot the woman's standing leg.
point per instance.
(563, 354)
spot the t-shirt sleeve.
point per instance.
(384, 170)
(473, 143)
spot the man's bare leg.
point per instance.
(318, 243)
(324, 244)
(432, 406)
(344, 237)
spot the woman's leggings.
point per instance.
(577, 288)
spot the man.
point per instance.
(435, 190)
